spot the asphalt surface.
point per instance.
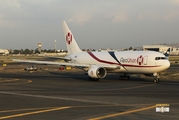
(64, 95)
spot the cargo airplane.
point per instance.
(97, 64)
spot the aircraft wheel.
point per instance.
(156, 80)
(121, 77)
(96, 79)
(89, 78)
(93, 79)
(124, 77)
(128, 77)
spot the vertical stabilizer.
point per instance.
(71, 44)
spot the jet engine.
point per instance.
(97, 72)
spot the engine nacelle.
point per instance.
(97, 72)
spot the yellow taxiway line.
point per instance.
(34, 112)
(12, 80)
(122, 113)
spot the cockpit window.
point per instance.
(160, 58)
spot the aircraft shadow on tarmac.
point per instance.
(80, 76)
(110, 77)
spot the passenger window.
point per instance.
(157, 58)
(160, 58)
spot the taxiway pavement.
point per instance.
(61, 95)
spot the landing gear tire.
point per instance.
(157, 76)
(93, 79)
(128, 77)
(124, 77)
(157, 80)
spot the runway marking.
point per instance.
(58, 98)
(10, 81)
(123, 113)
(26, 109)
(141, 86)
(24, 82)
(45, 109)
(49, 109)
(66, 98)
(35, 112)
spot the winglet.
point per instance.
(71, 44)
(167, 53)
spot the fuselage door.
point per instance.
(145, 60)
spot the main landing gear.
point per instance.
(157, 77)
(124, 77)
(93, 79)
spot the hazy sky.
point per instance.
(94, 23)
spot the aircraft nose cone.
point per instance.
(167, 64)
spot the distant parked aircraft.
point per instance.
(4, 52)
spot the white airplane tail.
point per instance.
(71, 44)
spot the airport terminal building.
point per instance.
(161, 48)
(158, 48)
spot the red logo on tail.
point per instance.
(69, 37)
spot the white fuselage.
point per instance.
(144, 62)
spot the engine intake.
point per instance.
(97, 72)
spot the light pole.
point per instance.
(55, 45)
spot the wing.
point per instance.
(59, 58)
(67, 64)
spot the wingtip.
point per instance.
(64, 22)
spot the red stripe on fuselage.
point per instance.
(99, 60)
(125, 65)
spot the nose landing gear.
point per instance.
(157, 76)
(156, 80)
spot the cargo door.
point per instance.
(145, 60)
